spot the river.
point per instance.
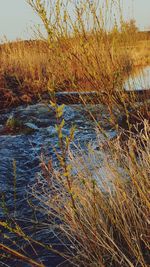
(20, 158)
(25, 151)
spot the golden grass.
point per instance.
(28, 69)
(75, 59)
(140, 53)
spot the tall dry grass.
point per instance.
(79, 52)
(100, 201)
(140, 53)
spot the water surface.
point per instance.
(26, 150)
(140, 80)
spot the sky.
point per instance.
(17, 18)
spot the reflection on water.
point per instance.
(139, 80)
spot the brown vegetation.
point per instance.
(104, 208)
(95, 61)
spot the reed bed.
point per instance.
(80, 51)
(140, 53)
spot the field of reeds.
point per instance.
(74, 56)
(98, 201)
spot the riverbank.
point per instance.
(31, 69)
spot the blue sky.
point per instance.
(17, 18)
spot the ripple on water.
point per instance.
(27, 149)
